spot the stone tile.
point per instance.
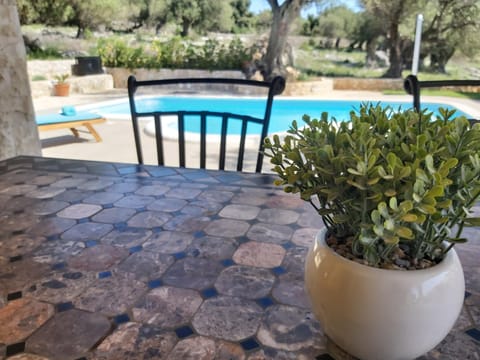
(464, 321)
(17, 222)
(185, 273)
(167, 306)
(183, 193)
(19, 244)
(294, 262)
(475, 312)
(136, 341)
(167, 204)
(240, 212)
(228, 318)
(74, 331)
(149, 219)
(285, 202)
(103, 198)
(289, 328)
(200, 347)
(73, 195)
(114, 215)
(20, 318)
(469, 255)
(212, 248)
(124, 187)
(20, 204)
(187, 223)
(26, 356)
(245, 281)
(259, 254)
(272, 233)
(457, 345)
(134, 201)
(86, 231)
(209, 208)
(310, 219)
(152, 190)
(79, 211)
(267, 353)
(146, 266)
(126, 237)
(52, 226)
(304, 236)
(44, 179)
(45, 192)
(278, 216)
(56, 251)
(59, 287)
(48, 207)
(168, 242)
(16, 190)
(290, 290)
(250, 199)
(112, 295)
(98, 258)
(215, 196)
(14, 276)
(95, 184)
(227, 228)
(68, 182)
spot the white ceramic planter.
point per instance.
(383, 314)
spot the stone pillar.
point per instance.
(18, 130)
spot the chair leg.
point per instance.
(93, 132)
(75, 132)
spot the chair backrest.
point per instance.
(413, 87)
(183, 116)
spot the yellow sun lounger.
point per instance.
(70, 119)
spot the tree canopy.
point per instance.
(449, 26)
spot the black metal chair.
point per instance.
(413, 87)
(270, 89)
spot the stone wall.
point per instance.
(367, 84)
(18, 130)
(120, 75)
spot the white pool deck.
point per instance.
(118, 144)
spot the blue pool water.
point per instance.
(284, 111)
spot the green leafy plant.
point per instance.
(396, 185)
(61, 78)
(174, 54)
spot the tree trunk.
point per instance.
(370, 61)
(395, 69)
(282, 17)
(185, 28)
(80, 32)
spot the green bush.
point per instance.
(49, 53)
(174, 53)
(394, 182)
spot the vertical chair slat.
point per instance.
(223, 142)
(159, 139)
(241, 149)
(203, 140)
(181, 138)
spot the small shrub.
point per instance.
(174, 53)
(38, 78)
(49, 53)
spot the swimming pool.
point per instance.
(284, 110)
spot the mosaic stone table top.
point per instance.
(119, 261)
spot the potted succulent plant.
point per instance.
(61, 87)
(394, 189)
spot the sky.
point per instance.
(259, 5)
